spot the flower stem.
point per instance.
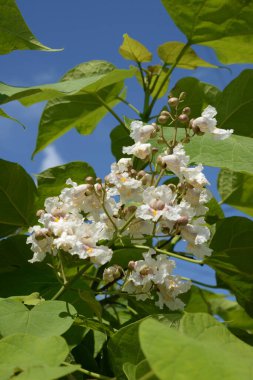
(129, 105)
(94, 375)
(111, 111)
(67, 285)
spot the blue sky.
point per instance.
(86, 30)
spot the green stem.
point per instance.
(67, 285)
(171, 69)
(129, 105)
(200, 262)
(92, 374)
(159, 177)
(142, 76)
(111, 111)
(170, 254)
(122, 229)
(202, 284)
(157, 77)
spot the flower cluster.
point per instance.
(86, 220)
(155, 274)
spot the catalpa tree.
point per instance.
(90, 287)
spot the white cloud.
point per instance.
(51, 158)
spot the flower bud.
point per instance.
(145, 179)
(173, 102)
(141, 174)
(99, 180)
(183, 221)
(186, 140)
(155, 150)
(165, 113)
(145, 270)
(112, 273)
(172, 187)
(40, 213)
(157, 204)
(89, 180)
(182, 96)
(162, 119)
(131, 265)
(133, 172)
(186, 110)
(183, 118)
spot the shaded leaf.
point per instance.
(224, 25)
(232, 258)
(17, 195)
(235, 105)
(236, 190)
(169, 51)
(18, 276)
(133, 50)
(119, 138)
(51, 181)
(14, 33)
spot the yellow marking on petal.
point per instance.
(123, 179)
(154, 212)
(56, 219)
(89, 250)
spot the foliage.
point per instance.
(106, 305)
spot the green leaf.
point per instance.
(6, 116)
(198, 94)
(201, 343)
(119, 138)
(214, 212)
(83, 112)
(236, 190)
(14, 33)
(163, 75)
(235, 105)
(232, 258)
(134, 50)
(88, 77)
(123, 256)
(48, 318)
(30, 357)
(17, 195)
(169, 51)
(141, 371)
(18, 276)
(234, 153)
(51, 181)
(224, 25)
(88, 297)
(124, 347)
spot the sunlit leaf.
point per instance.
(14, 33)
(6, 116)
(48, 318)
(30, 357)
(169, 51)
(201, 347)
(224, 25)
(134, 50)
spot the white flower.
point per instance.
(157, 201)
(194, 176)
(207, 124)
(200, 250)
(168, 292)
(196, 233)
(177, 160)
(139, 150)
(140, 132)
